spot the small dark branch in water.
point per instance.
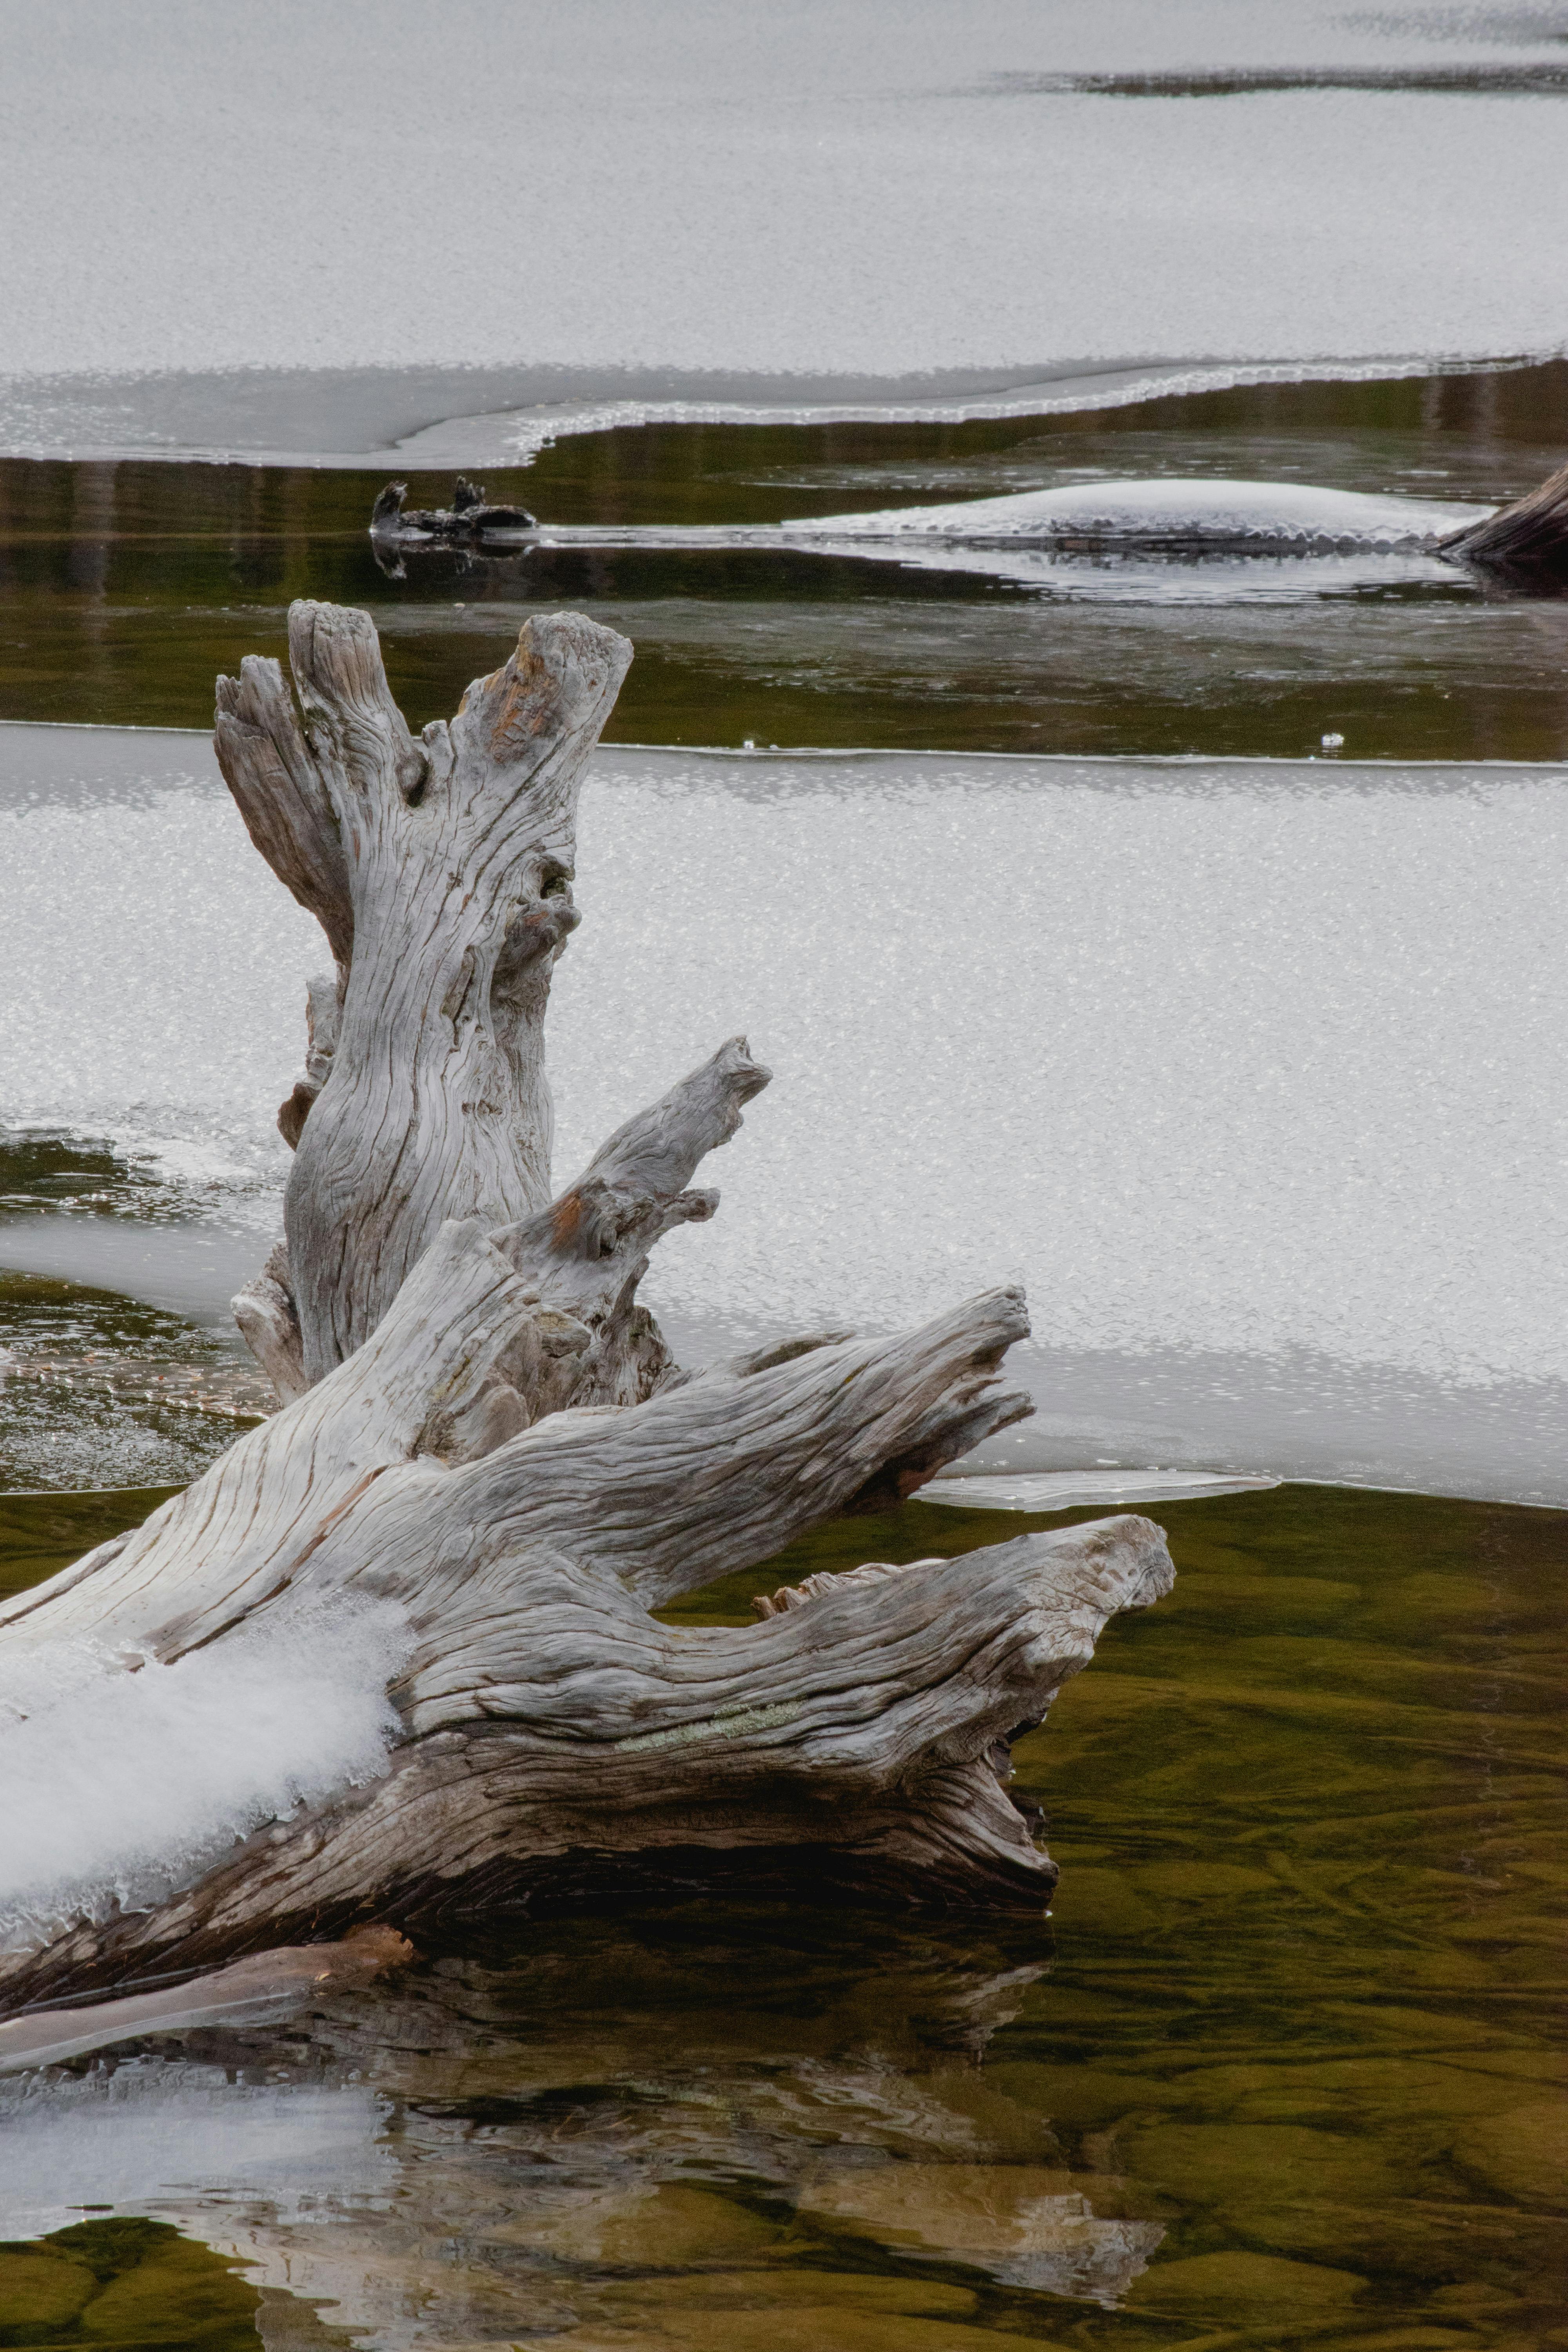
(1524, 544)
(469, 517)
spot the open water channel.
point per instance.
(1080, 956)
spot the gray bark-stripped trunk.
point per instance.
(441, 872)
(484, 1434)
(1524, 544)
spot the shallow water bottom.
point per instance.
(1283, 2066)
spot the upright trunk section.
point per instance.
(441, 871)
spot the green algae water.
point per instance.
(123, 2282)
(1283, 2065)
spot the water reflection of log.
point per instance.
(257, 1990)
(586, 2138)
(1522, 546)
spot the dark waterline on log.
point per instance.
(124, 587)
(1284, 2063)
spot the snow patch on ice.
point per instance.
(1201, 512)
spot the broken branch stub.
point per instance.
(1525, 544)
(440, 868)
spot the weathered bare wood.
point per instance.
(269, 1323)
(441, 872)
(866, 1723)
(323, 1018)
(484, 1441)
(282, 796)
(563, 1738)
(1525, 542)
(588, 1250)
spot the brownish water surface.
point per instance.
(1284, 2067)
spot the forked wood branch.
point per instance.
(440, 868)
(484, 1439)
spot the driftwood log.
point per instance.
(1524, 544)
(482, 1434)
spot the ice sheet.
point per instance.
(169, 2139)
(1170, 512)
(1230, 1058)
(662, 207)
(1252, 1071)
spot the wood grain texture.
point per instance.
(553, 1732)
(440, 869)
(1524, 544)
(483, 1435)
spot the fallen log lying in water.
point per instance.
(1524, 544)
(485, 1446)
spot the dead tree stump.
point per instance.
(482, 1431)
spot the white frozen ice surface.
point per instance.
(1253, 1072)
(1216, 1055)
(1172, 540)
(121, 1785)
(1244, 514)
(187, 2144)
(152, 963)
(614, 209)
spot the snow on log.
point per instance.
(486, 1453)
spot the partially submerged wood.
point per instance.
(471, 515)
(484, 1435)
(1524, 544)
(554, 1736)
